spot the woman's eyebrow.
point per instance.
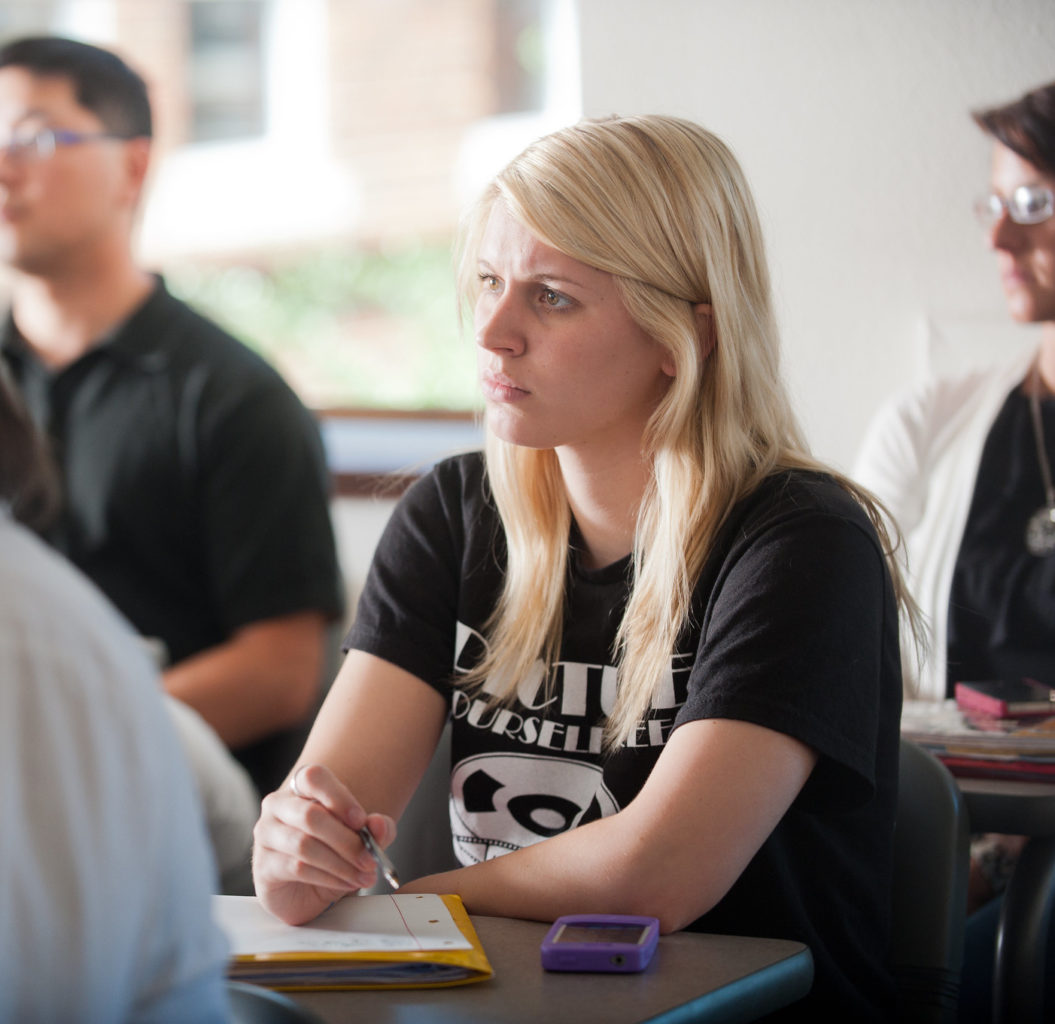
(560, 278)
(542, 276)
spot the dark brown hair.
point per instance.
(28, 478)
(1026, 127)
(102, 82)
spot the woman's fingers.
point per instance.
(312, 825)
(306, 847)
(310, 840)
(308, 832)
(382, 828)
(315, 782)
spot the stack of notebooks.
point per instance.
(377, 941)
(989, 730)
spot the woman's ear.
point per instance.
(705, 337)
(705, 332)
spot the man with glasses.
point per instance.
(195, 486)
(965, 465)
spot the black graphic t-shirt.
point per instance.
(793, 627)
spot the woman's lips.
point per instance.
(497, 387)
(1013, 276)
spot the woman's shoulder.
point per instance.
(456, 479)
(797, 495)
(454, 490)
(466, 468)
(807, 489)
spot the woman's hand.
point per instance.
(306, 850)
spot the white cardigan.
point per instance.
(920, 457)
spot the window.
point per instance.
(348, 325)
(313, 158)
(23, 17)
(325, 242)
(520, 64)
(225, 70)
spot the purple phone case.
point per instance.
(615, 943)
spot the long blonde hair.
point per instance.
(662, 205)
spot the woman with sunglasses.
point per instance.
(965, 466)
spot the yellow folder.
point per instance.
(399, 940)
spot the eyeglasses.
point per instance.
(33, 147)
(1027, 204)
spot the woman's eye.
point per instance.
(489, 282)
(552, 299)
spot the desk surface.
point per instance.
(692, 977)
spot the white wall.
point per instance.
(851, 120)
(357, 526)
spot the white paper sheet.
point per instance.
(396, 922)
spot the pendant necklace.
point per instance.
(1040, 532)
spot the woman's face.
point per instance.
(1025, 252)
(561, 362)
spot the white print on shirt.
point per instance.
(577, 689)
(501, 802)
(549, 733)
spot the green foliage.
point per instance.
(347, 327)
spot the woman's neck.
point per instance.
(605, 500)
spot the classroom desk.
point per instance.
(1019, 808)
(693, 977)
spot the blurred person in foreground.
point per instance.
(195, 489)
(964, 464)
(105, 871)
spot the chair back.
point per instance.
(931, 862)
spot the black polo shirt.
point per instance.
(196, 487)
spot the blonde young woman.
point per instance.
(667, 640)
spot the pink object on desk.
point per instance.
(1006, 698)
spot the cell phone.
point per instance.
(616, 943)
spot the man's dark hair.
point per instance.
(1026, 127)
(102, 82)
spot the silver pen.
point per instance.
(386, 866)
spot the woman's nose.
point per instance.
(1004, 233)
(499, 327)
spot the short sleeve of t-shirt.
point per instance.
(799, 634)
